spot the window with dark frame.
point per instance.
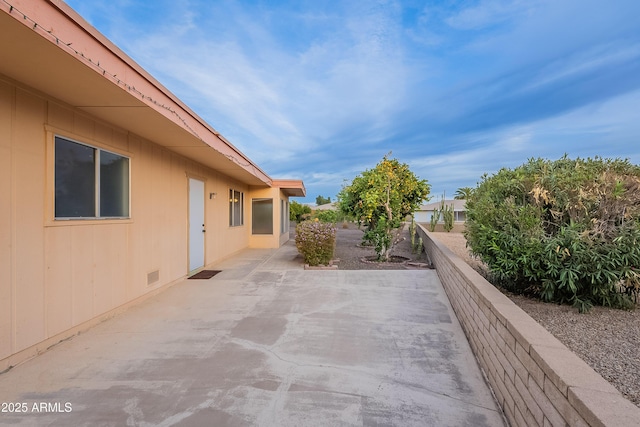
(236, 208)
(90, 183)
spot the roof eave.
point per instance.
(88, 72)
(290, 187)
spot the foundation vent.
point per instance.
(153, 277)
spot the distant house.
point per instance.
(425, 212)
(110, 187)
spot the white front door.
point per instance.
(196, 224)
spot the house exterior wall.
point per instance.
(425, 212)
(56, 276)
(425, 216)
(277, 238)
(422, 216)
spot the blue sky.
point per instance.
(321, 90)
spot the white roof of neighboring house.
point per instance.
(458, 205)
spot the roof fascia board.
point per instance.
(160, 98)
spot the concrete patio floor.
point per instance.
(265, 343)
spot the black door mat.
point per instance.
(205, 274)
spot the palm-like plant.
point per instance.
(463, 193)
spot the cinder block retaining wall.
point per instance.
(537, 380)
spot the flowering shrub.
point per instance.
(316, 241)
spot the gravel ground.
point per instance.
(349, 253)
(606, 339)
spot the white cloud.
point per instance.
(609, 129)
(353, 80)
(274, 102)
(581, 62)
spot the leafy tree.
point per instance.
(463, 193)
(381, 198)
(297, 211)
(565, 230)
(322, 200)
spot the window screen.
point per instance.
(114, 185)
(262, 219)
(284, 216)
(236, 208)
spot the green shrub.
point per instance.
(567, 231)
(298, 212)
(327, 216)
(380, 238)
(315, 241)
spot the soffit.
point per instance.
(291, 187)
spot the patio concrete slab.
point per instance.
(265, 343)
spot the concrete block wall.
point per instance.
(537, 380)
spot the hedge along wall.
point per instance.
(536, 379)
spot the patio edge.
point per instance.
(536, 379)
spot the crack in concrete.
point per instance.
(385, 378)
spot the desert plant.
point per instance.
(447, 216)
(315, 241)
(566, 230)
(435, 217)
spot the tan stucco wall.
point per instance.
(56, 275)
(277, 238)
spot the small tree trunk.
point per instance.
(387, 250)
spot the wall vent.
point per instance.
(153, 277)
